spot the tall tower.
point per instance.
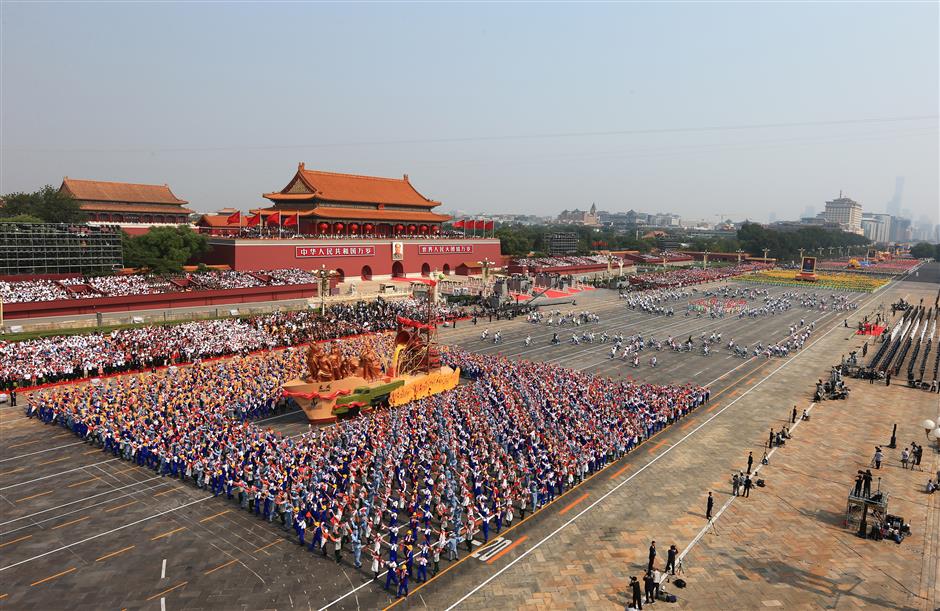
(893, 207)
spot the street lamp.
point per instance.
(766, 250)
(705, 260)
(739, 251)
(485, 264)
(324, 275)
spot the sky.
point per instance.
(741, 110)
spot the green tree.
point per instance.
(48, 204)
(21, 218)
(163, 250)
(924, 250)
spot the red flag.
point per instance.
(489, 225)
(274, 218)
(291, 220)
(458, 224)
(479, 225)
(253, 220)
(234, 219)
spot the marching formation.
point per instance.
(401, 486)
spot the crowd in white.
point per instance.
(29, 291)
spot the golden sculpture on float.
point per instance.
(338, 385)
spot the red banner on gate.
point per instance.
(445, 249)
(306, 252)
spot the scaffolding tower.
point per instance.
(50, 248)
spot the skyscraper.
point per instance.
(893, 207)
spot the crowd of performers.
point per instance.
(627, 347)
(67, 357)
(397, 489)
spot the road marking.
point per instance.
(98, 450)
(221, 566)
(81, 500)
(42, 451)
(112, 554)
(167, 534)
(571, 505)
(70, 523)
(33, 496)
(179, 585)
(18, 469)
(163, 570)
(51, 577)
(164, 492)
(619, 471)
(214, 516)
(506, 550)
(497, 545)
(261, 549)
(83, 482)
(15, 541)
(25, 443)
(128, 504)
(38, 479)
(657, 446)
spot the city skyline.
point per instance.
(499, 117)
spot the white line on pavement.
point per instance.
(41, 451)
(107, 532)
(57, 474)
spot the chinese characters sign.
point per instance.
(445, 249)
(304, 252)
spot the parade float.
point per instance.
(338, 386)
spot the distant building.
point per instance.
(893, 207)
(845, 212)
(134, 207)
(877, 227)
(560, 243)
(579, 217)
(900, 230)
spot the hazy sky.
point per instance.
(522, 108)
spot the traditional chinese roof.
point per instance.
(141, 208)
(121, 192)
(220, 220)
(361, 214)
(313, 186)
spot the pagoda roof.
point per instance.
(124, 192)
(312, 185)
(361, 214)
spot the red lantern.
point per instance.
(399, 227)
(412, 228)
(424, 228)
(338, 226)
(368, 227)
(323, 227)
(436, 229)
(354, 227)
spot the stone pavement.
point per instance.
(786, 545)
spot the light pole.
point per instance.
(324, 274)
(739, 251)
(485, 264)
(766, 250)
(705, 260)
